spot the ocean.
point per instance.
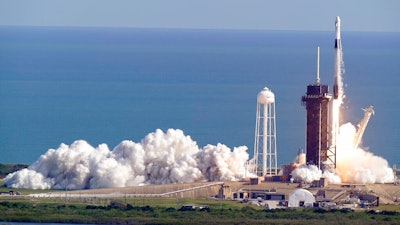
(105, 85)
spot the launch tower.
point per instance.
(316, 102)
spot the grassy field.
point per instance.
(166, 211)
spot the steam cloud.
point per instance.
(160, 158)
(354, 165)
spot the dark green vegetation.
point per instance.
(145, 211)
(9, 168)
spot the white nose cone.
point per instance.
(265, 96)
(338, 20)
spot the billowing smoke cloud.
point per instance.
(307, 173)
(160, 158)
(354, 165)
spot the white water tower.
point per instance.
(265, 156)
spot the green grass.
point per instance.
(166, 211)
(394, 208)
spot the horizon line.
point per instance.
(182, 28)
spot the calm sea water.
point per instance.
(105, 85)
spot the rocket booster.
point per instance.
(338, 43)
(338, 49)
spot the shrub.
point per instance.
(170, 209)
(147, 208)
(61, 207)
(389, 213)
(129, 207)
(320, 210)
(6, 204)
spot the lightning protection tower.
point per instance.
(265, 157)
(316, 101)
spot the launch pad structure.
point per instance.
(323, 112)
(316, 101)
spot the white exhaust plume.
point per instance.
(354, 165)
(160, 158)
(307, 173)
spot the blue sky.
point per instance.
(364, 15)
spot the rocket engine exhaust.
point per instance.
(160, 158)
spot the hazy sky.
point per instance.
(356, 15)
